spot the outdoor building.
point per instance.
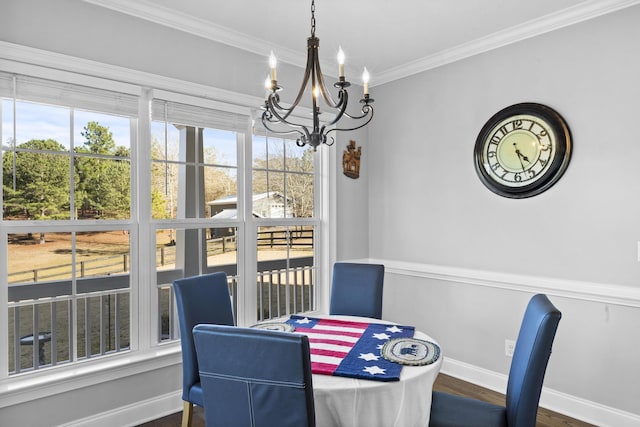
(271, 204)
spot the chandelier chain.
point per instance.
(313, 18)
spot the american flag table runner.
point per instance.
(350, 349)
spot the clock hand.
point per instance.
(521, 157)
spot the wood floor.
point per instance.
(444, 382)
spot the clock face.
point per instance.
(522, 150)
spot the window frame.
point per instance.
(145, 354)
(82, 102)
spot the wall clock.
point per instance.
(522, 150)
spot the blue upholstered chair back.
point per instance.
(528, 366)
(255, 377)
(199, 299)
(356, 289)
(529, 363)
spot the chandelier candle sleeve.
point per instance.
(268, 85)
(340, 63)
(365, 81)
(273, 62)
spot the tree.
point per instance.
(218, 183)
(102, 184)
(164, 182)
(298, 176)
(300, 185)
(38, 187)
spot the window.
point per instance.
(66, 172)
(194, 163)
(82, 251)
(283, 176)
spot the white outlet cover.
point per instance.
(509, 347)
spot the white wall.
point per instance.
(428, 208)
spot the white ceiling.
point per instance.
(392, 39)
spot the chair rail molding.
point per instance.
(588, 291)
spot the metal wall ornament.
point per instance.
(278, 119)
(351, 160)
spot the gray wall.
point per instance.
(419, 201)
(428, 207)
(425, 193)
(352, 198)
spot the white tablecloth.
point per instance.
(351, 402)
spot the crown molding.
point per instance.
(582, 12)
(52, 65)
(146, 9)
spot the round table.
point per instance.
(351, 402)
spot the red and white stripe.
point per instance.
(330, 341)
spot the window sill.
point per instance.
(50, 381)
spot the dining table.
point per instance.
(343, 401)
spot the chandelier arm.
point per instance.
(357, 127)
(273, 104)
(342, 105)
(305, 82)
(326, 95)
(273, 100)
(265, 121)
(271, 112)
(366, 109)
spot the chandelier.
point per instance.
(277, 118)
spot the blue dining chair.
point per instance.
(254, 377)
(356, 289)
(524, 385)
(199, 299)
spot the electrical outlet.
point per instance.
(509, 346)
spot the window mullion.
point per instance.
(247, 255)
(4, 311)
(143, 263)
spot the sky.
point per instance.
(40, 121)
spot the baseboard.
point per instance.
(571, 406)
(135, 413)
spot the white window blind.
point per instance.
(6, 85)
(190, 115)
(57, 93)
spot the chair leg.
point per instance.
(187, 414)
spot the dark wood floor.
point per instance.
(444, 382)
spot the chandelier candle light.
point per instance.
(276, 114)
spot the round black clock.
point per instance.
(522, 150)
